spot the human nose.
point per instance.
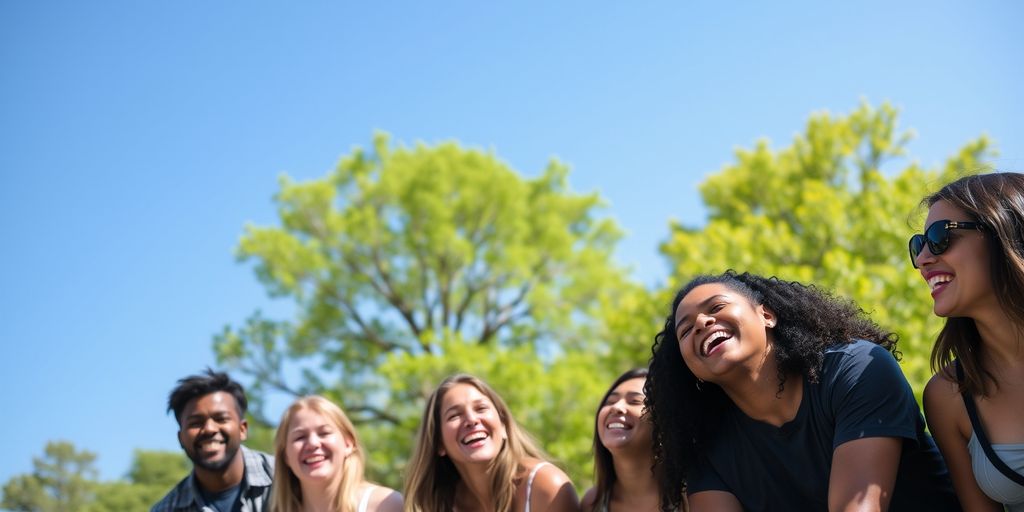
(924, 257)
(618, 406)
(703, 321)
(208, 425)
(470, 418)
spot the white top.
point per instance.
(365, 500)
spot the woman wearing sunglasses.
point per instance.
(767, 394)
(972, 257)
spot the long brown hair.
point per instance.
(431, 478)
(996, 201)
(286, 493)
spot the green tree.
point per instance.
(152, 475)
(406, 264)
(834, 208)
(61, 480)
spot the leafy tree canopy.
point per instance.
(407, 264)
(834, 208)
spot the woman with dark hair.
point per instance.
(623, 461)
(471, 455)
(771, 395)
(972, 257)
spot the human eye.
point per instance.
(683, 332)
(717, 307)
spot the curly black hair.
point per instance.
(808, 320)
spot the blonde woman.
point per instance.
(319, 463)
(472, 456)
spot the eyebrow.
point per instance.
(702, 304)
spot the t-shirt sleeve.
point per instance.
(703, 477)
(870, 395)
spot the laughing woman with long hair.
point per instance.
(319, 463)
(471, 455)
(624, 479)
(972, 257)
(771, 395)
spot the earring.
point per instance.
(698, 383)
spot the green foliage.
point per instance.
(823, 211)
(407, 264)
(64, 479)
(60, 480)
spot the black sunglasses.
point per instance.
(937, 237)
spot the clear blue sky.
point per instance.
(138, 138)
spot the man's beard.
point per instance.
(230, 452)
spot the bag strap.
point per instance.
(979, 431)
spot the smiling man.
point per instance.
(226, 476)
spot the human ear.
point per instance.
(767, 316)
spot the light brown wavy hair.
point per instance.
(431, 478)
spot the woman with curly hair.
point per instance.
(972, 257)
(772, 395)
(319, 463)
(471, 455)
(624, 478)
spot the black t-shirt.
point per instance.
(861, 393)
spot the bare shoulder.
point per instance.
(942, 398)
(552, 489)
(589, 498)
(944, 410)
(385, 499)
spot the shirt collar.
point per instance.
(255, 475)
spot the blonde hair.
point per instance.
(431, 478)
(286, 493)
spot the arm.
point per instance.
(553, 491)
(951, 429)
(713, 501)
(863, 474)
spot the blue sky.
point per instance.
(138, 138)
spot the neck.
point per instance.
(1002, 340)
(315, 498)
(633, 477)
(216, 481)
(474, 480)
(757, 394)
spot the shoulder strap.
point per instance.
(979, 432)
(365, 501)
(529, 484)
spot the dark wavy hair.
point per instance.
(996, 201)
(685, 417)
